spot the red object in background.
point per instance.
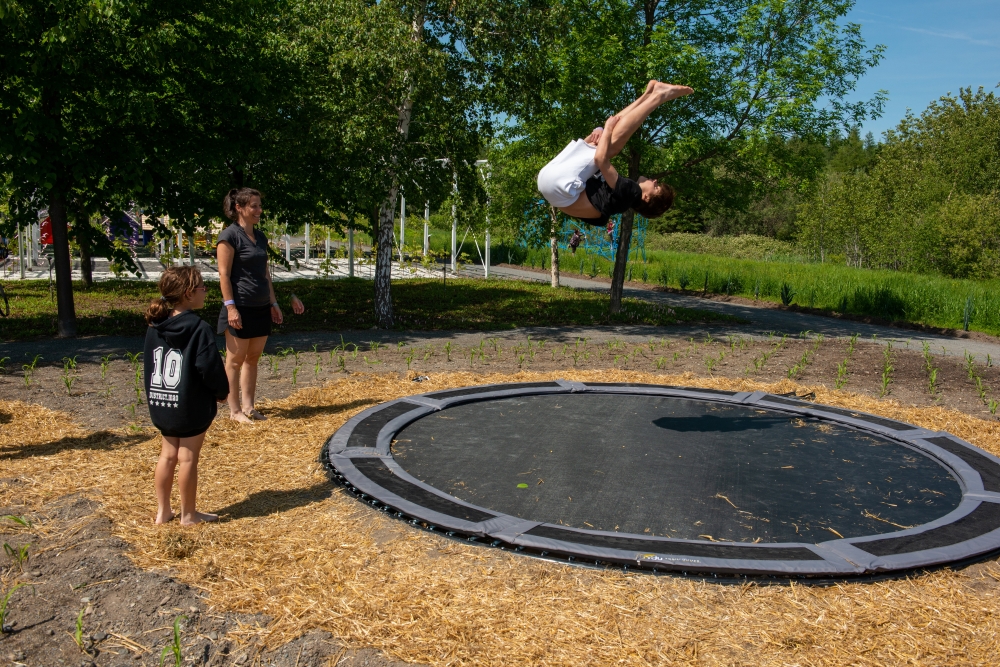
(45, 231)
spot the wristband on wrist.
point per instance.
(275, 305)
(229, 302)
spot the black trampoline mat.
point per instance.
(674, 467)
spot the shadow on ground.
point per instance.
(265, 503)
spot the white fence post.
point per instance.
(350, 252)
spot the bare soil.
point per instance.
(76, 564)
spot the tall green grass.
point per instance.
(888, 295)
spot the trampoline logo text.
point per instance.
(166, 378)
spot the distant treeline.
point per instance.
(926, 199)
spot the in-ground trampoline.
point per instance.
(673, 479)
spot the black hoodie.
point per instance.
(184, 375)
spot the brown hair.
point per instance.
(174, 284)
(660, 201)
(241, 196)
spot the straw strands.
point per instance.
(310, 556)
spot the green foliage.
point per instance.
(174, 647)
(745, 246)
(760, 70)
(927, 202)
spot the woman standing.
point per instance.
(249, 305)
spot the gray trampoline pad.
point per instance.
(674, 467)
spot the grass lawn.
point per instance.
(116, 307)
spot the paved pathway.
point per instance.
(764, 321)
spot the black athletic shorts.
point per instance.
(256, 321)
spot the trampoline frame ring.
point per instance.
(358, 455)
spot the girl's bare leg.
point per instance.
(188, 452)
(248, 376)
(633, 116)
(164, 478)
(236, 354)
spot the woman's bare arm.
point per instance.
(224, 254)
(603, 155)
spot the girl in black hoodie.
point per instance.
(184, 379)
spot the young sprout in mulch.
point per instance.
(447, 350)
(19, 520)
(842, 366)
(174, 647)
(5, 608)
(68, 377)
(3, 364)
(806, 359)
(17, 554)
(977, 379)
(887, 369)
(932, 371)
(29, 369)
(759, 361)
(105, 364)
(78, 631)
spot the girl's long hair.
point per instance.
(175, 282)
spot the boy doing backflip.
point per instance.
(582, 183)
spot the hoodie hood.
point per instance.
(177, 330)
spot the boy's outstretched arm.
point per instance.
(602, 158)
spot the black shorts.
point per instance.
(256, 321)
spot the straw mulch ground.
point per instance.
(312, 559)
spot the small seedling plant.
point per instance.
(806, 359)
(19, 555)
(842, 366)
(174, 647)
(105, 364)
(760, 361)
(931, 369)
(977, 380)
(887, 370)
(5, 608)
(68, 374)
(29, 369)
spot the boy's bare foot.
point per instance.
(255, 415)
(162, 518)
(199, 517)
(672, 91)
(240, 418)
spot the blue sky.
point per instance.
(932, 47)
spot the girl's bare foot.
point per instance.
(164, 517)
(240, 418)
(651, 86)
(199, 517)
(672, 91)
(255, 415)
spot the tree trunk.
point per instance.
(554, 244)
(63, 266)
(624, 240)
(387, 211)
(82, 223)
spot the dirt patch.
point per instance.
(75, 564)
(103, 397)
